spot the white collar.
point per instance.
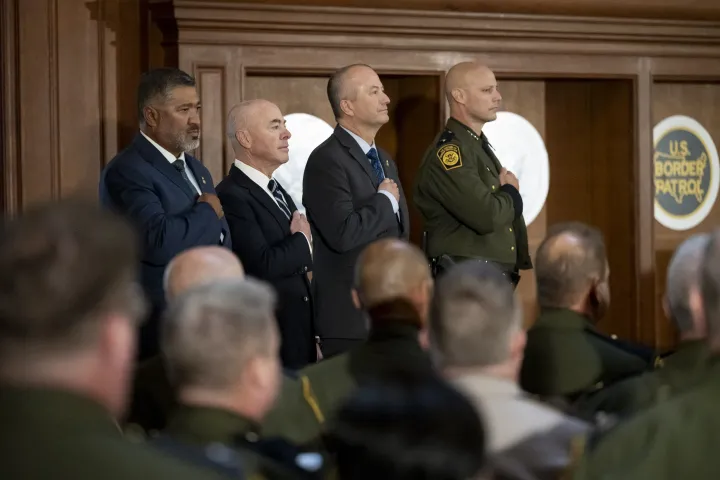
(254, 174)
(169, 156)
(363, 144)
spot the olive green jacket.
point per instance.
(675, 439)
(303, 411)
(48, 433)
(565, 355)
(679, 372)
(203, 426)
(466, 211)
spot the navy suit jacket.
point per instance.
(142, 185)
(269, 251)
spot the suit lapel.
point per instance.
(288, 199)
(355, 152)
(260, 195)
(203, 180)
(392, 173)
(157, 160)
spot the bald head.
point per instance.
(198, 266)
(257, 133)
(390, 269)
(682, 275)
(568, 262)
(471, 90)
(243, 116)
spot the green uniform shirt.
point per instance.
(673, 440)
(53, 434)
(466, 212)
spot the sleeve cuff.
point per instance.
(395, 205)
(516, 198)
(309, 243)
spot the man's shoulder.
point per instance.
(326, 152)
(127, 158)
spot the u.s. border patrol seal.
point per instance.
(449, 156)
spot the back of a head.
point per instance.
(200, 265)
(212, 331)
(570, 258)
(710, 287)
(65, 266)
(682, 274)
(473, 317)
(389, 269)
(409, 426)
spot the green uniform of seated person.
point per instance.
(683, 368)
(470, 204)
(69, 310)
(677, 438)
(221, 344)
(566, 356)
(393, 284)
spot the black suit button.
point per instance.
(306, 299)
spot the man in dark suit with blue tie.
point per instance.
(353, 196)
(163, 190)
(272, 238)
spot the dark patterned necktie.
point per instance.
(180, 167)
(279, 197)
(372, 154)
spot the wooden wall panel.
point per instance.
(212, 97)
(292, 93)
(593, 179)
(527, 98)
(699, 101)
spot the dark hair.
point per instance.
(564, 273)
(710, 285)
(159, 83)
(407, 426)
(334, 87)
(63, 265)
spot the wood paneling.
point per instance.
(212, 97)
(700, 102)
(292, 93)
(527, 98)
(696, 9)
(593, 178)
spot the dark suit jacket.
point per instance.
(346, 214)
(141, 184)
(269, 251)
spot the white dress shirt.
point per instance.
(366, 148)
(171, 158)
(262, 181)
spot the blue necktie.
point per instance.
(280, 199)
(372, 154)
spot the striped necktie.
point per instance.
(279, 198)
(372, 154)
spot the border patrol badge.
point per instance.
(686, 172)
(449, 156)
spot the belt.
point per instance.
(444, 262)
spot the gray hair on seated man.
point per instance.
(476, 320)
(222, 346)
(682, 275)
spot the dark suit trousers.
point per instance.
(335, 346)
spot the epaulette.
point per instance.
(301, 463)
(446, 136)
(215, 456)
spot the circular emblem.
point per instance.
(686, 172)
(521, 149)
(308, 131)
(450, 159)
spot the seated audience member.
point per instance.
(393, 285)
(566, 356)
(676, 439)
(685, 367)
(478, 340)
(153, 395)
(272, 238)
(69, 309)
(222, 349)
(408, 427)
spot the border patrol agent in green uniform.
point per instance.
(471, 205)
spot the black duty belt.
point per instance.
(443, 263)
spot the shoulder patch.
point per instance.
(449, 156)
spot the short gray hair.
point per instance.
(210, 332)
(473, 315)
(710, 285)
(684, 272)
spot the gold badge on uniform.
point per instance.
(449, 156)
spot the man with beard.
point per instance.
(566, 357)
(167, 193)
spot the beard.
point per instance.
(186, 141)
